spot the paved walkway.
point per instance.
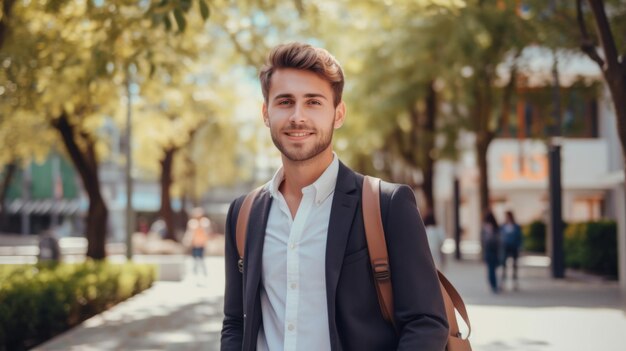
(576, 314)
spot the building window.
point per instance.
(532, 115)
(587, 208)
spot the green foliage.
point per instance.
(40, 301)
(535, 237)
(592, 246)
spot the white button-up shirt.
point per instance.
(293, 292)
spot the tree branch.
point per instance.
(62, 125)
(587, 45)
(604, 32)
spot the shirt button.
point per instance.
(292, 246)
(291, 327)
(294, 285)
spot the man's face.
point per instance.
(300, 114)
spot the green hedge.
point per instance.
(40, 301)
(592, 246)
(535, 237)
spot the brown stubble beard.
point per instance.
(324, 141)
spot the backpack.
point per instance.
(491, 237)
(379, 259)
(511, 235)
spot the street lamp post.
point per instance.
(556, 220)
(457, 221)
(129, 179)
(554, 163)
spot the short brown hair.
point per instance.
(304, 57)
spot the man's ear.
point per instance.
(266, 117)
(340, 115)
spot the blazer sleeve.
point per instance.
(418, 304)
(232, 326)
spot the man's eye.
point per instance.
(315, 102)
(284, 102)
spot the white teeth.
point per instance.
(297, 134)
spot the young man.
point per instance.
(307, 282)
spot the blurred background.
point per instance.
(118, 117)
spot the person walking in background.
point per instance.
(436, 236)
(197, 236)
(49, 250)
(512, 240)
(492, 247)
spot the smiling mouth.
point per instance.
(298, 134)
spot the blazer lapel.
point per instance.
(342, 213)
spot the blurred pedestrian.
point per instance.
(512, 240)
(142, 225)
(159, 228)
(49, 250)
(436, 236)
(492, 247)
(197, 236)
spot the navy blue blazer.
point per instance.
(355, 320)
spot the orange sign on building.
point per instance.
(528, 167)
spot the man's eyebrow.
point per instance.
(311, 95)
(281, 96)
(291, 96)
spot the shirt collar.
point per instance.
(323, 186)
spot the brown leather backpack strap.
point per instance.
(242, 224)
(457, 303)
(377, 246)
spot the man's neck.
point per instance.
(298, 175)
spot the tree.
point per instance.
(79, 56)
(181, 105)
(401, 89)
(612, 63)
(481, 36)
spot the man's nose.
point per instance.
(297, 115)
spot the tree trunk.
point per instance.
(481, 115)
(97, 220)
(7, 5)
(166, 212)
(8, 176)
(482, 145)
(616, 80)
(192, 194)
(613, 65)
(87, 166)
(428, 147)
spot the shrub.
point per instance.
(592, 246)
(574, 244)
(40, 301)
(535, 237)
